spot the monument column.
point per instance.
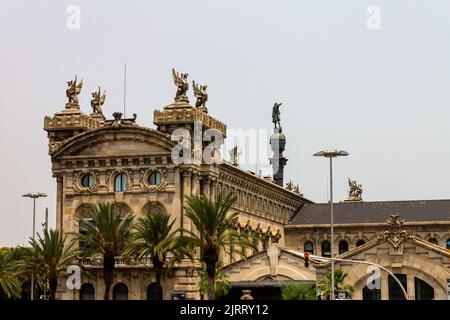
(277, 144)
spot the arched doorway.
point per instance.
(371, 294)
(423, 290)
(154, 291)
(120, 292)
(87, 292)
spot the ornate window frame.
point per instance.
(80, 177)
(112, 179)
(162, 182)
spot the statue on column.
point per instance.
(73, 91)
(276, 115)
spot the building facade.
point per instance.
(139, 168)
(120, 161)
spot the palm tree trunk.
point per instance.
(210, 258)
(108, 272)
(211, 288)
(53, 284)
(158, 267)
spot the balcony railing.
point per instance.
(120, 261)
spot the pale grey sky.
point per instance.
(382, 95)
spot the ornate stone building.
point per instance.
(121, 161)
(410, 238)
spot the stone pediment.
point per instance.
(275, 263)
(106, 141)
(393, 250)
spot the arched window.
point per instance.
(423, 290)
(326, 249)
(360, 242)
(83, 212)
(87, 181)
(81, 244)
(433, 241)
(343, 246)
(154, 291)
(154, 179)
(87, 292)
(153, 207)
(121, 182)
(120, 292)
(308, 247)
(448, 243)
(395, 292)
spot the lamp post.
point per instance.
(34, 196)
(331, 154)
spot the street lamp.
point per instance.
(34, 196)
(331, 154)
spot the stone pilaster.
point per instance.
(59, 203)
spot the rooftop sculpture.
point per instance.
(73, 91)
(97, 101)
(180, 80)
(234, 154)
(355, 192)
(200, 94)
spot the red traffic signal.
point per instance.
(306, 257)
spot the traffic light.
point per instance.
(306, 256)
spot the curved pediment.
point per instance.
(126, 141)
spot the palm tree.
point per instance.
(10, 283)
(221, 283)
(339, 286)
(50, 257)
(106, 233)
(299, 291)
(215, 231)
(155, 238)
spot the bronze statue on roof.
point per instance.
(97, 101)
(355, 192)
(180, 80)
(200, 94)
(73, 91)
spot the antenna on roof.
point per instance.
(124, 90)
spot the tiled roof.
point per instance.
(373, 212)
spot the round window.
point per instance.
(87, 181)
(154, 179)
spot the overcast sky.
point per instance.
(381, 94)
